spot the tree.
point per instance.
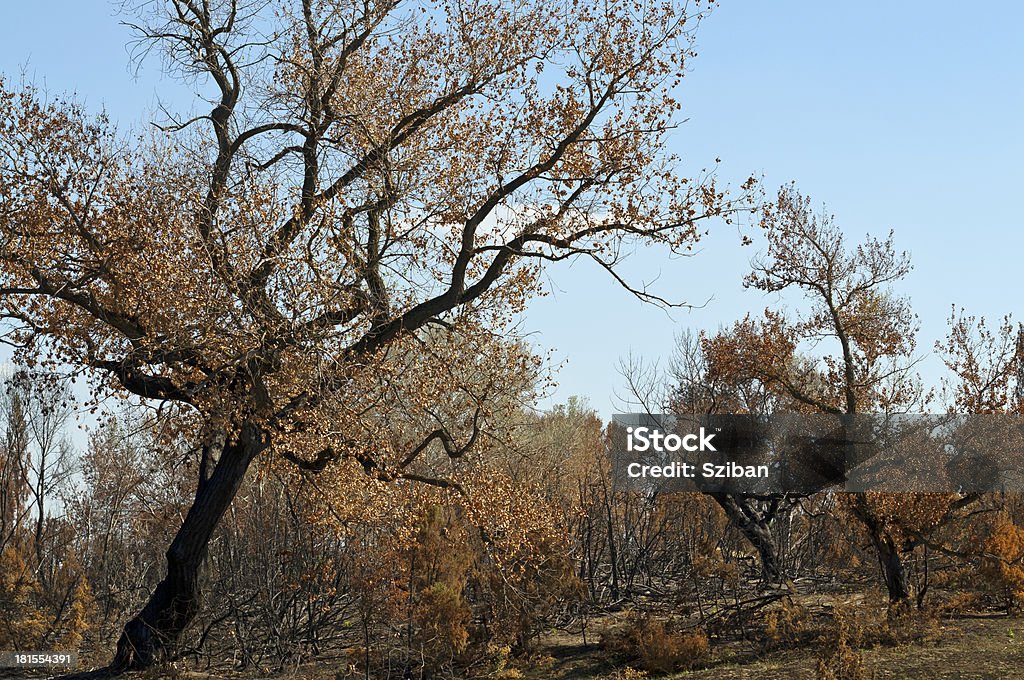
(15, 486)
(867, 369)
(365, 171)
(689, 388)
(987, 366)
(698, 391)
(44, 599)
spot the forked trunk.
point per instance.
(756, 530)
(152, 635)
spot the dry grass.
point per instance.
(970, 649)
(874, 647)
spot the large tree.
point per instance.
(356, 173)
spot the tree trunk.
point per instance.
(761, 538)
(152, 635)
(889, 558)
(893, 571)
(757, 532)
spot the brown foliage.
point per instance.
(655, 646)
(1002, 560)
(367, 179)
(787, 624)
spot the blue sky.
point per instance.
(904, 115)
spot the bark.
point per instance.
(893, 570)
(890, 559)
(152, 635)
(612, 551)
(756, 530)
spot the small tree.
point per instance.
(869, 366)
(44, 598)
(987, 363)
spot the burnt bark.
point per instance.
(756, 528)
(893, 570)
(152, 636)
(890, 557)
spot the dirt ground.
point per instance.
(990, 647)
(966, 648)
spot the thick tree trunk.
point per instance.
(761, 538)
(757, 532)
(152, 635)
(893, 570)
(890, 560)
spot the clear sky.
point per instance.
(904, 115)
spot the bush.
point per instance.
(628, 673)
(38, 615)
(1001, 567)
(788, 623)
(442, 617)
(844, 661)
(655, 647)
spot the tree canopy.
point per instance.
(362, 200)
